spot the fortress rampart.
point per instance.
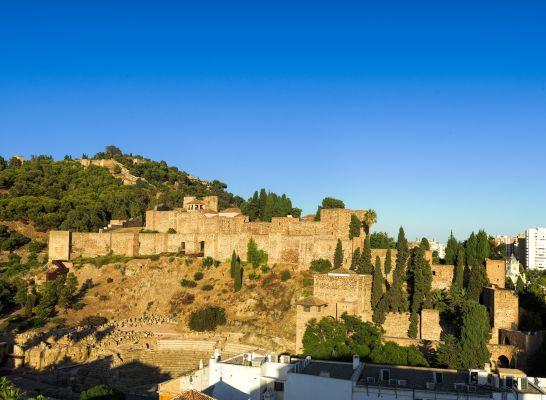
(202, 230)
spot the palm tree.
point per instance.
(370, 218)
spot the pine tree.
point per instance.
(476, 282)
(354, 227)
(355, 261)
(377, 283)
(366, 266)
(338, 255)
(451, 250)
(388, 262)
(475, 334)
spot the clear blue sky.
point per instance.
(432, 113)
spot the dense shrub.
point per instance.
(207, 319)
(101, 392)
(321, 265)
(36, 246)
(171, 230)
(187, 283)
(285, 275)
(11, 240)
(253, 276)
(208, 262)
(207, 287)
(198, 276)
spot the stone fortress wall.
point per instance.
(212, 233)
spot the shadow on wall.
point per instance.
(67, 379)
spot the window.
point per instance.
(385, 374)
(438, 377)
(279, 386)
(306, 308)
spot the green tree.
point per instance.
(354, 227)
(328, 203)
(475, 334)
(451, 250)
(397, 300)
(520, 285)
(482, 246)
(388, 262)
(238, 276)
(338, 255)
(377, 283)
(458, 275)
(419, 285)
(233, 264)
(424, 244)
(471, 250)
(255, 256)
(447, 354)
(365, 265)
(101, 392)
(67, 291)
(381, 240)
(8, 391)
(321, 265)
(355, 260)
(476, 282)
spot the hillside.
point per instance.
(64, 194)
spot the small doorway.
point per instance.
(182, 248)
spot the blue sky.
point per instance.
(432, 113)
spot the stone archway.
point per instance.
(503, 362)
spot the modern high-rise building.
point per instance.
(535, 248)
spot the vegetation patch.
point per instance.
(207, 319)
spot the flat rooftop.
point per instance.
(417, 378)
(336, 370)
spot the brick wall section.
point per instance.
(351, 293)
(396, 325)
(442, 276)
(430, 325)
(496, 272)
(59, 245)
(502, 305)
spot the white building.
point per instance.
(439, 247)
(258, 377)
(535, 251)
(512, 268)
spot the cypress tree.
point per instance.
(388, 262)
(338, 255)
(482, 246)
(233, 264)
(451, 250)
(419, 284)
(413, 329)
(377, 283)
(355, 261)
(366, 266)
(424, 244)
(354, 227)
(458, 276)
(238, 278)
(520, 285)
(472, 251)
(397, 300)
(475, 334)
(476, 282)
